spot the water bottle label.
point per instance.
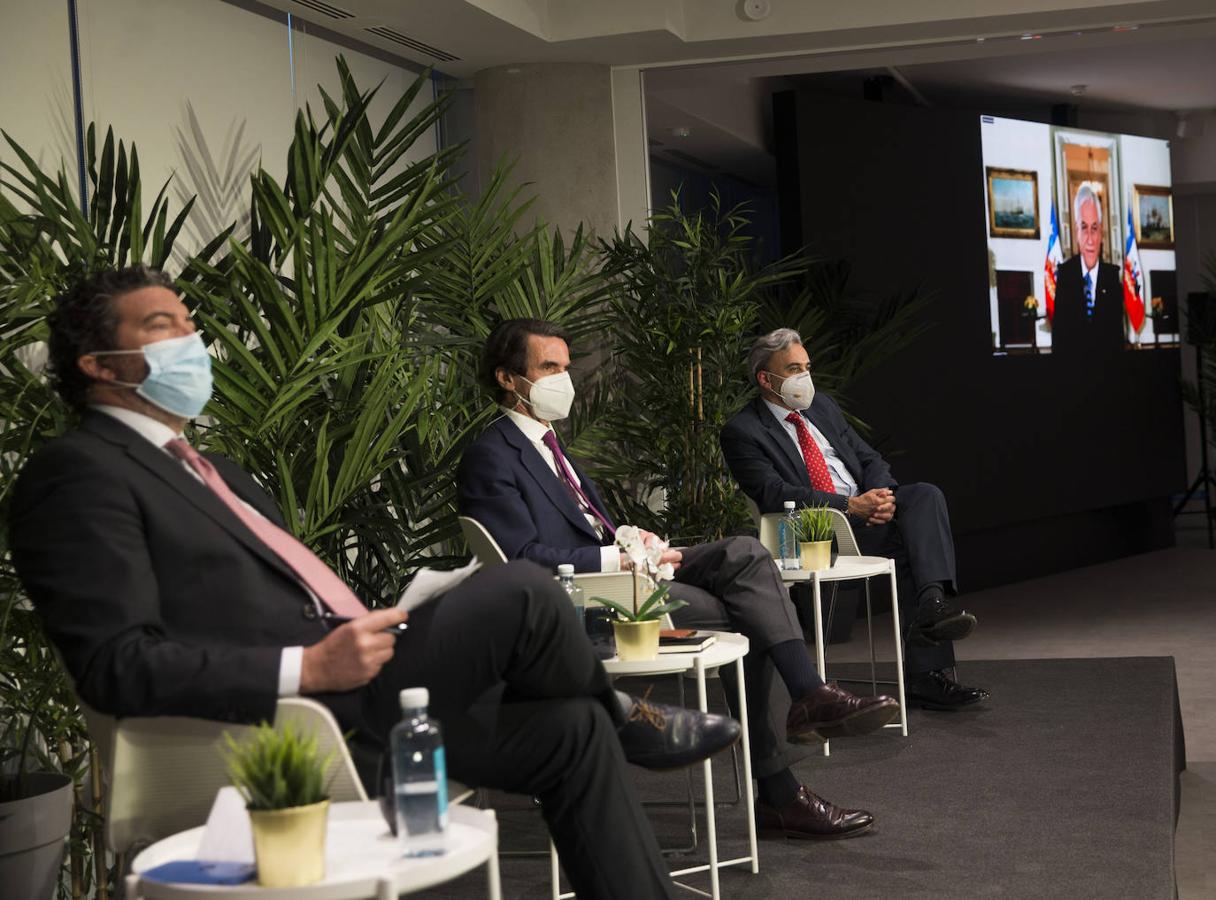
(416, 788)
(441, 775)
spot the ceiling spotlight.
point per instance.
(1078, 90)
(681, 131)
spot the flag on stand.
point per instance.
(1052, 263)
(1133, 280)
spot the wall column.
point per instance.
(576, 149)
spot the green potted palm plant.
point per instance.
(285, 783)
(815, 538)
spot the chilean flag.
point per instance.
(1054, 258)
(1133, 302)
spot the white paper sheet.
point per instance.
(430, 583)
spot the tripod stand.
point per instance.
(1204, 480)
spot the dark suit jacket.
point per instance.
(159, 599)
(1072, 331)
(769, 468)
(505, 484)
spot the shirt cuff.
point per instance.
(291, 663)
(610, 558)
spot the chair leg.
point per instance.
(870, 637)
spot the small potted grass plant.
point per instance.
(815, 538)
(636, 629)
(285, 783)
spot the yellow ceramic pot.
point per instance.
(290, 844)
(636, 640)
(815, 555)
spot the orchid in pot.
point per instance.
(637, 629)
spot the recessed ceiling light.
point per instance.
(1078, 90)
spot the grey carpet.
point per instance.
(1062, 786)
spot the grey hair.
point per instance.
(768, 344)
(1086, 194)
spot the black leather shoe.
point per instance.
(810, 817)
(829, 711)
(660, 737)
(936, 690)
(937, 619)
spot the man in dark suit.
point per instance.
(1088, 315)
(791, 443)
(170, 585)
(539, 504)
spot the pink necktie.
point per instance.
(312, 572)
(816, 465)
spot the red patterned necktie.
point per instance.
(816, 466)
(312, 572)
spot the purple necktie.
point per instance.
(567, 476)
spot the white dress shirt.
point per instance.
(842, 478)
(610, 556)
(291, 662)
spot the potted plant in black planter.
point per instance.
(35, 797)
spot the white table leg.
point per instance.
(749, 805)
(386, 889)
(711, 821)
(555, 873)
(899, 651)
(493, 878)
(819, 653)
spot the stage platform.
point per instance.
(1063, 785)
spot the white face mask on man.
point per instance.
(797, 390)
(551, 396)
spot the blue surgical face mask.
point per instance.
(179, 374)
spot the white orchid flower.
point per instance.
(629, 539)
(665, 572)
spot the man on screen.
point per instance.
(171, 586)
(1089, 300)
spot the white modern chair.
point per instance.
(615, 586)
(846, 546)
(163, 772)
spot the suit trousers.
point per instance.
(733, 585)
(525, 706)
(921, 543)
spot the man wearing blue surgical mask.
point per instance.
(171, 585)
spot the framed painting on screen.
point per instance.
(1013, 203)
(1153, 211)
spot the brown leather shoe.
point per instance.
(810, 817)
(832, 712)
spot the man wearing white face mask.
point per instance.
(519, 482)
(791, 443)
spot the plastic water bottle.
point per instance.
(565, 574)
(787, 536)
(420, 778)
